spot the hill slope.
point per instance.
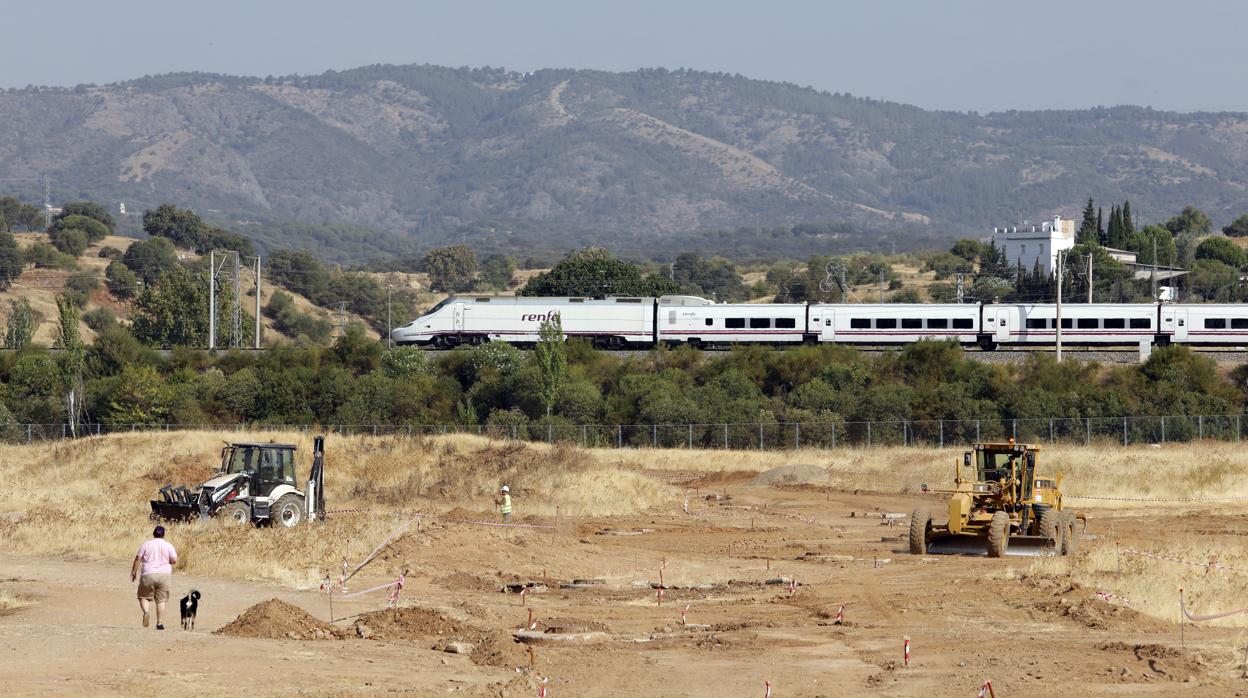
(559, 157)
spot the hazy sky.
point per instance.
(947, 54)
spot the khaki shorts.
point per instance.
(155, 586)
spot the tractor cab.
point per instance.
(266, 465)
(1011, 466)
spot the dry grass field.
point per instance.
(72, 513)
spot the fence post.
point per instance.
(1050, 431)
(514, 432)
(905, 433)
(797, 435)
(28, 428)
(1015, 429)
(1163, 429)
(1237, 427)
(977, 438)
(868, 434)
(942, 433)
(690, 442)
(725, 437)
(1124, 431)
(1200, 426)
(619, 436)
(760, 436)
(833, 434)
(654, 428)
(1089, 420)
(584, 436)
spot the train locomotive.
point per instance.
(630, 322)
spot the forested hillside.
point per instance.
(394, 159)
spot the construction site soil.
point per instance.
(743, 589)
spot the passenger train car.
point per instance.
(635, 322)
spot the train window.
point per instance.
(911, 323)
(828, 322)
(760, 323)
(1114, 323)
(860, 323)
(734, 323)
(1239, 323)
(1215, 323)
(483, 300)
(1141, 323)
(627, 300)
(671, 317)
(710, 321)
(963, 323)
(886, 323)
(576, 300)
(937, 324)
(787, 323)
(1067, 323)
(1037, 323)
(1087, 323)
(1002, 322)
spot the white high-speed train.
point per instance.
(635, 322)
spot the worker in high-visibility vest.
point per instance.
(503, 502)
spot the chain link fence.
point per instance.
(743, 436)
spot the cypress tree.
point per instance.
(1128, 225)
(1100, 226)
(1087, 228)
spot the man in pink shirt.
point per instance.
(153, 568)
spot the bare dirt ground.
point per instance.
(1031, 632)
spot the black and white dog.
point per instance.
(190, 606)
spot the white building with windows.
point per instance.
(1024, 244)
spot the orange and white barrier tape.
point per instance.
(523, 594)
(1206, 565)
(1211, 616)
(840, 614)
(766, 689)
(906, 650)
(392, 599)
(683, 613)
(1113, 597)
(1160, 500)
(792, 586)
(541, 689)
(986, 690)
(659, 595)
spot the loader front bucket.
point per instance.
(175, 504)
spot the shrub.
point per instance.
(70, 241)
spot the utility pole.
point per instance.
(1089, 277)
(47, 203)
(961, 287)
(257, 301)
(1059, 307)
(212, 300)
(1154, 276)
(236, 315)
(389, 324)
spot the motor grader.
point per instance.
(999, 506)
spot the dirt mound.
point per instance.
(461, 514)
(277, 620)
(575, 625)
(499, 648)
(406, 623)
(1160, 660)
(1070, 600)
(798, 474)
(464, 581)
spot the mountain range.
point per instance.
(393, 159)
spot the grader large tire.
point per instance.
(237, 513)
(287, 511)
(1071, 542)
(998, 534)
(920, 524)
(1052, 525)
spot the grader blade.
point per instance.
(1018, 546)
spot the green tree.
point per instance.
(122, 282)
(1146, 238)
(1223, 250)
(450, 269)
(173, 312)
(1191, 221)
(70, 241)
(1237, 228)
(497, 270)
(551, 360)
(87, 209)
(149, 259)
(180, 226)
(72, 359)
(10, 259)
(593, 272)
(20, 215)
(1089, 228)
(20, 328)
(967, 249)
(93, 229)
(1214, 280)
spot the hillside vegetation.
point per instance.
(558, 158)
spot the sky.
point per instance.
(962, 55)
